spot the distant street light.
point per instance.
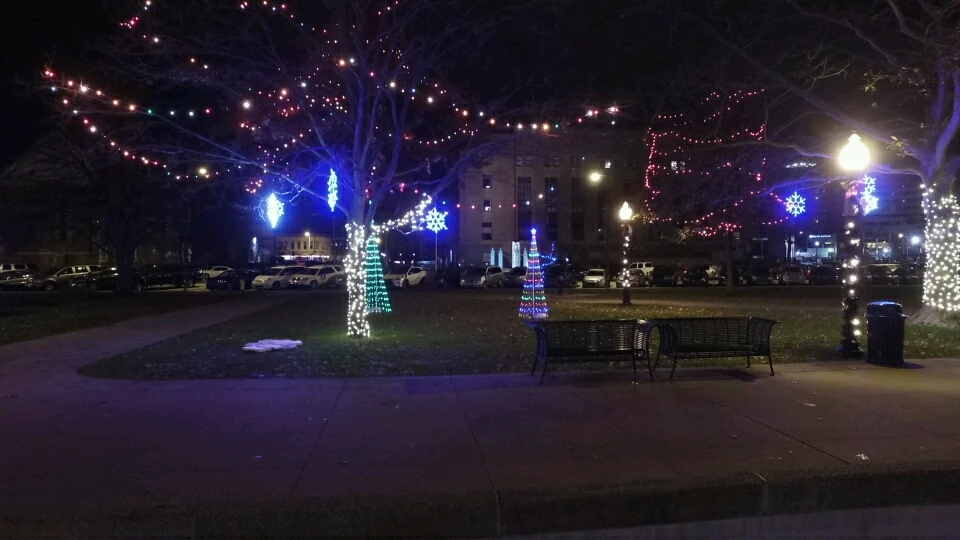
(626, 214)
(595, 177)
(914, 240)
(854, 157)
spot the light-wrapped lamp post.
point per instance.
(626, 214)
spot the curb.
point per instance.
(522, 512)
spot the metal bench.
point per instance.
(591, 341)
(713, 337)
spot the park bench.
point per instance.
(713, 337)
(591, 341)
(629, 339)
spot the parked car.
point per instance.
(319, 276)
(824, 275)
(757, 275)
(106, 280)
(876, 274)
(449, 276)
(516, 277)
(404, 276)
(227, 280)
(215, 271)
(171, 274)
(595, 277)
(635, 278)
(21, 280)
(697, 276)
(276, 277)
(68, 277)
(561, 275)
(909, 275)
(645, 267)
(666, 276)
(482, 277)
(9, 267)
(792, 275)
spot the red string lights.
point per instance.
(680, 155)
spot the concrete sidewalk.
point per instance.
(464, 455)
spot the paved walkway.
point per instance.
(461, 455)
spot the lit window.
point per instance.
(487, 182)
(608, 164)
(487, 207)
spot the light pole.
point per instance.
(626, 214)
(854, 157)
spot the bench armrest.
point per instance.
(758, 333)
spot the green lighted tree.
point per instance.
(377, 299)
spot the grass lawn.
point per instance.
(32, 315)
(431, 333)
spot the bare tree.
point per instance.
(710, 170)
(106, 200)
(284, 101)
(887, 70)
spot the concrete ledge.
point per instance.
(522, 512)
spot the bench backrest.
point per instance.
(610, 335)
(752, 331)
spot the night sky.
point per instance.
(37, 34)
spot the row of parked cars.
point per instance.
(93, 277)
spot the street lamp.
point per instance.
(595, 177)
(854, 157)
(626, 214)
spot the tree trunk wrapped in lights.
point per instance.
(355, 267)
(941, 286)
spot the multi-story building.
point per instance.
(314, 247)
(569, 186)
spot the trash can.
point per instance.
(885, 324)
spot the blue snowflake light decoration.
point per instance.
(868, 198)
(795, 204)
(436, 221)
(332, 190)
(274, 209)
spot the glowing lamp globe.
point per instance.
(855, 156)
(914, 240)
(595, 177)
(626, 213)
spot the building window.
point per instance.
(601, 217)
(556, 161)
(574, 162)
(546, 161)
(524, 211)
(528, 161)
(523, 193)
(487, 207)
(486, 230)
(678, 165)
(518, 161)
(553, 217)
(487, 181)
(576, 226)
(608, 164)
(576, 194)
